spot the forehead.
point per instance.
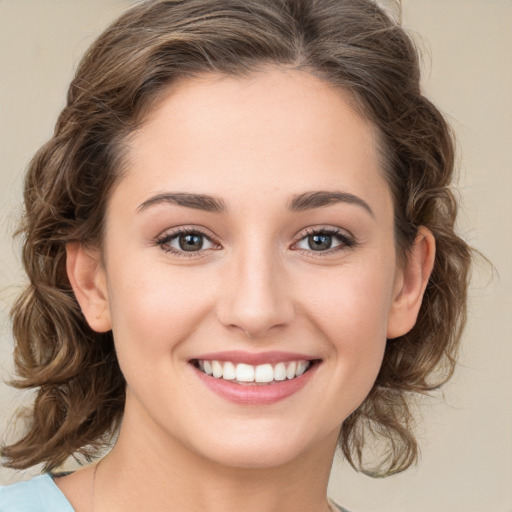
(275, 130)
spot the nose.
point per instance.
(256, 299)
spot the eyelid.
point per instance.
(168, 235)
(348, 241)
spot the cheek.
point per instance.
(353, 300)
(155, 308)
(350, 307)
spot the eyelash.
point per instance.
(166, 238)
(346, 241)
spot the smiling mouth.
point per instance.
(247, 374)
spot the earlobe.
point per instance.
(87, 277)
(411, 284)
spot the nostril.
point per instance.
(254, 330)
(255, 320)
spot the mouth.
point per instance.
(255, 379)
(254, 375)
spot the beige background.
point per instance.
(465, 433)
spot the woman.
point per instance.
(241, 252)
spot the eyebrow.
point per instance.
(317, 199)
(196, 201)
(298, 203)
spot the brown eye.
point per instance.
(191, 242)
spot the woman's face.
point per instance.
(252, 236)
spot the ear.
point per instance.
(88, 280)
(410, 285)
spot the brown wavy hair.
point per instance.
(352, 44)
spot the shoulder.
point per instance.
(37, 495)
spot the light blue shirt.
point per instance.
(37, 495)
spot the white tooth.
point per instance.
(302, 366)
(217, 369)
(280, 371)
(207, 367)
(244, 372)
(290, 370)
(264, 373)
(228, 372)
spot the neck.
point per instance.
(149, 469)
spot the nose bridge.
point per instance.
(256, 300)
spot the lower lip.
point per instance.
(248, 394)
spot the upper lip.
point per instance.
(254, 358)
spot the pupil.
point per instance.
(190, 242)
(320, 242)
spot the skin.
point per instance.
(254, 143)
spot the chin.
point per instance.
(278, 447)
(255, 457)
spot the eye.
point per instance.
(185, 241)
(324, 240)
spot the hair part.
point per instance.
(351, 44)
